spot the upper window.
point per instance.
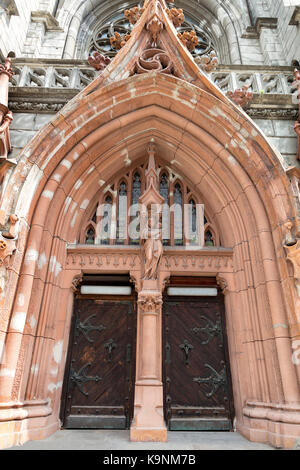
(114, 217)
(100, 39)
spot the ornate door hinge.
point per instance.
(86, 327)
(80, 378)
(216, 380)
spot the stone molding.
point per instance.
(11, 411)
(277, 412)
(41, 16)
(87, 257)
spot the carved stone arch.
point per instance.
(249, 192)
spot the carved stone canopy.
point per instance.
(151, 196)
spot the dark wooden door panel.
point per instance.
(100, 384)
(196, 372)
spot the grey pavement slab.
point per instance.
(119, 440)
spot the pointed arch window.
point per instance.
(115, 220)
(122, 214)
(192, 223)
(106, 221)
(178, 212)
(90, 236)
(164, 192)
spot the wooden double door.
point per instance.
(196, 373)
(99, 383)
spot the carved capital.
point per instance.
(222, 283)
(150, 302)
(76, 283)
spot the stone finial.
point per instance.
(189, 39)
(134, 14)
(155, 24)
(98, 61)
(117, 41)
(222, 283)
(241, 96)
(176, 15)
(208, 62)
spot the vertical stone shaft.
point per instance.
(148, 423)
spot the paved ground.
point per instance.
(119, 440)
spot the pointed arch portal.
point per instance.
(200, 134)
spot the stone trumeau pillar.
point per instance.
(148, 423)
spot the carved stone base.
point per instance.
(148, 423)
(148, 435)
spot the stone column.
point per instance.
(148, 423)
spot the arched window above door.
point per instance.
(115, 220)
